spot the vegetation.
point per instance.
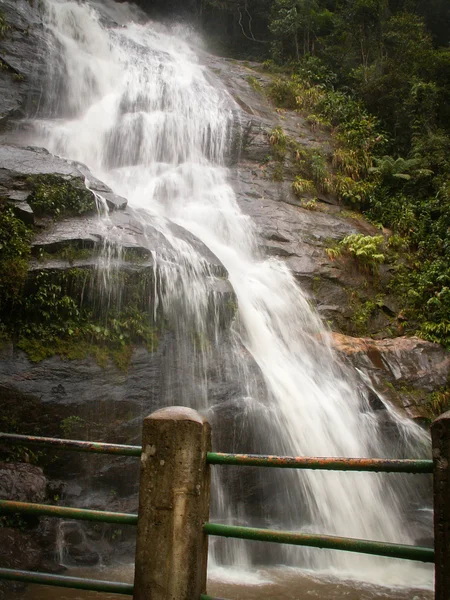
(55, 197)
(61, 313)
(367, 250)
(375, 75)
(72, 312)
(4, 27)
(14, 254)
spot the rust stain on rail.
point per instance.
(324, 463)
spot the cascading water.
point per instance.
(132, 100)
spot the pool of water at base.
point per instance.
(265, 584)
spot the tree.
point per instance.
(300, 22)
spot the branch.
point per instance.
(252, 38)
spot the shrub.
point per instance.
(365, 249)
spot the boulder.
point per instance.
(21, 167)
(22, 482)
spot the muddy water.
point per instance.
(273, 584)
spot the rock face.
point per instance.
(20, 167)
(22, 482)
(406, 370)
(297, 235)
(20, 58)
(351, 301)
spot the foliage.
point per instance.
(58, 198)
(255, 84)
(14, 255)
(386, 106)
(59, 313)
(302, 186)
(310, 205)
(363, 311)
(439, 402)
(365, 249)
(4, 27)
(71, 424)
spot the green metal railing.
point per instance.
(74, 445)
(66, 512)
(385, 465)
(379, 465)
(330, 542)
(300, 539)
(78, 583)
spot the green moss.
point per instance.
(255, 84)
(62, 313)
(56, 197)
(69, 253)
(14, 255)
(4, 26)
(363, 311)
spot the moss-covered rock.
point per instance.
(55, 197)
(15, 239)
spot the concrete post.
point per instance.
(440, 434)
(171, 549)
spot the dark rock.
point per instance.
(21, 55)
(22, 482)
(19, 551)
(24, 212)
(17, 164)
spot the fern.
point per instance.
(302, 186)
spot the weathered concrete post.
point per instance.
(440, 433)
(171, 550)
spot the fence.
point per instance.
(172, 521)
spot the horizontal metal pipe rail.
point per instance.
(214, 458)
(75, 445)
(384, 465)
(67, 512)
(79, 583)
(388, 549)
(249, 533)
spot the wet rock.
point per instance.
(18, 167)
(405, 369)
(24, 212)
(75, 383)
(22, 482)
(21, 58)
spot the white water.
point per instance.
(137, 106)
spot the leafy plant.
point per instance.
(14, 255)
(302, 186)
(255, 84)
(57, 198)
(4, 26)
(365, 249)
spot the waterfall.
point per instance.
(131, 99)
